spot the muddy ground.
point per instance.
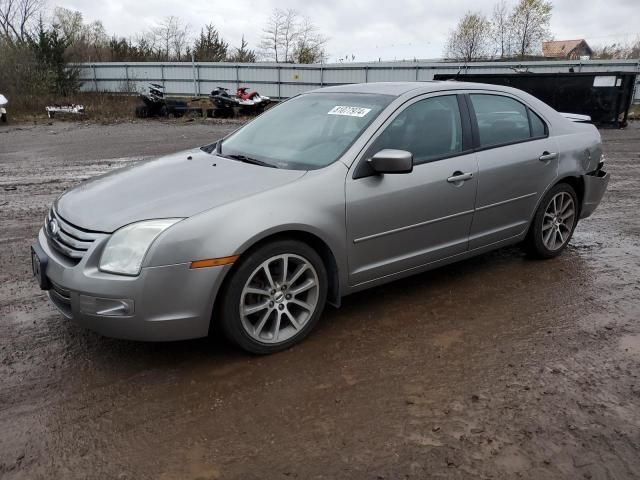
(497, 367)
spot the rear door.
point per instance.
(517, 161)
(396, 222)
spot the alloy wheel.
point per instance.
(279, 298)
(558, 221)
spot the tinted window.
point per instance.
(500, 119)
(429, 129)
(538, 128)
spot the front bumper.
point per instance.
(171, 302)
(595, 184)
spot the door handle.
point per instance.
(546, 156)
(460, 177)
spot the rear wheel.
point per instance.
(275, 297)
(554, 222)
(3, 118)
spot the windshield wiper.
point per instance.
(253, 161)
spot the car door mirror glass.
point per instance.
(392, 161)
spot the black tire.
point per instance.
(534, 243)
(229, 317)
(164, 111)
(142, 111)
(3, 118)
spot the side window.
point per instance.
(538, 127)
(500, 119)
(429, 129)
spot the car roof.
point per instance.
(400, 88)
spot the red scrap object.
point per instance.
(242, 93)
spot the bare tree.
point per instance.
(271, 42)
(288, 37)
(290, 32)
(310, 44)
(170, 37)
(530, 22)
(18, 19)
(501, 29)
(618, 50)
(87, 41)
(70, 22)
(470, 39)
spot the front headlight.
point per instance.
(126, 248)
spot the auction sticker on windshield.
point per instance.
(349, 111)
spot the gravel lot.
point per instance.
(497, 367)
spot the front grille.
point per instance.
(70, 241)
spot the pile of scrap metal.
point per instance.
(251, 102)
(71, 109)
(3, 111)
(156, 104)
(220, 103)
(244, 102)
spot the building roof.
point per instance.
(561, 48)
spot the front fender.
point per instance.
(314, 204)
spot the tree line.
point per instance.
(287, 37)
(516, 31)
(512, 31)
(37, 51)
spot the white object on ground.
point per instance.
(76, 109)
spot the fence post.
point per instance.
(95, 78)
(321, 75)
(279, 84)
(366, 74)
(417, 70)
(162, 74)
(237, 77)
(194, 69)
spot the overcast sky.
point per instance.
(387, 29)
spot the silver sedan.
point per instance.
(331, 192)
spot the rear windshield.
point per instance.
(307, 132)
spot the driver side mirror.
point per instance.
(392, 161)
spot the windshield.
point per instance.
(307, 132)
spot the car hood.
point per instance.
(179, 185)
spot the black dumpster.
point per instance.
(604, 96)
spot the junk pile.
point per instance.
(72, 109)
(220, 103)
(3, 111)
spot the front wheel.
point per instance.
(554, 222)
(274, 297)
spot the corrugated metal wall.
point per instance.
(283, 80)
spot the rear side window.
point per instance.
(538, 127)
(430, 129)
(500, 119)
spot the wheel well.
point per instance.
(578, 185)
(329, 261)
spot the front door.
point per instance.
(396, 222)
